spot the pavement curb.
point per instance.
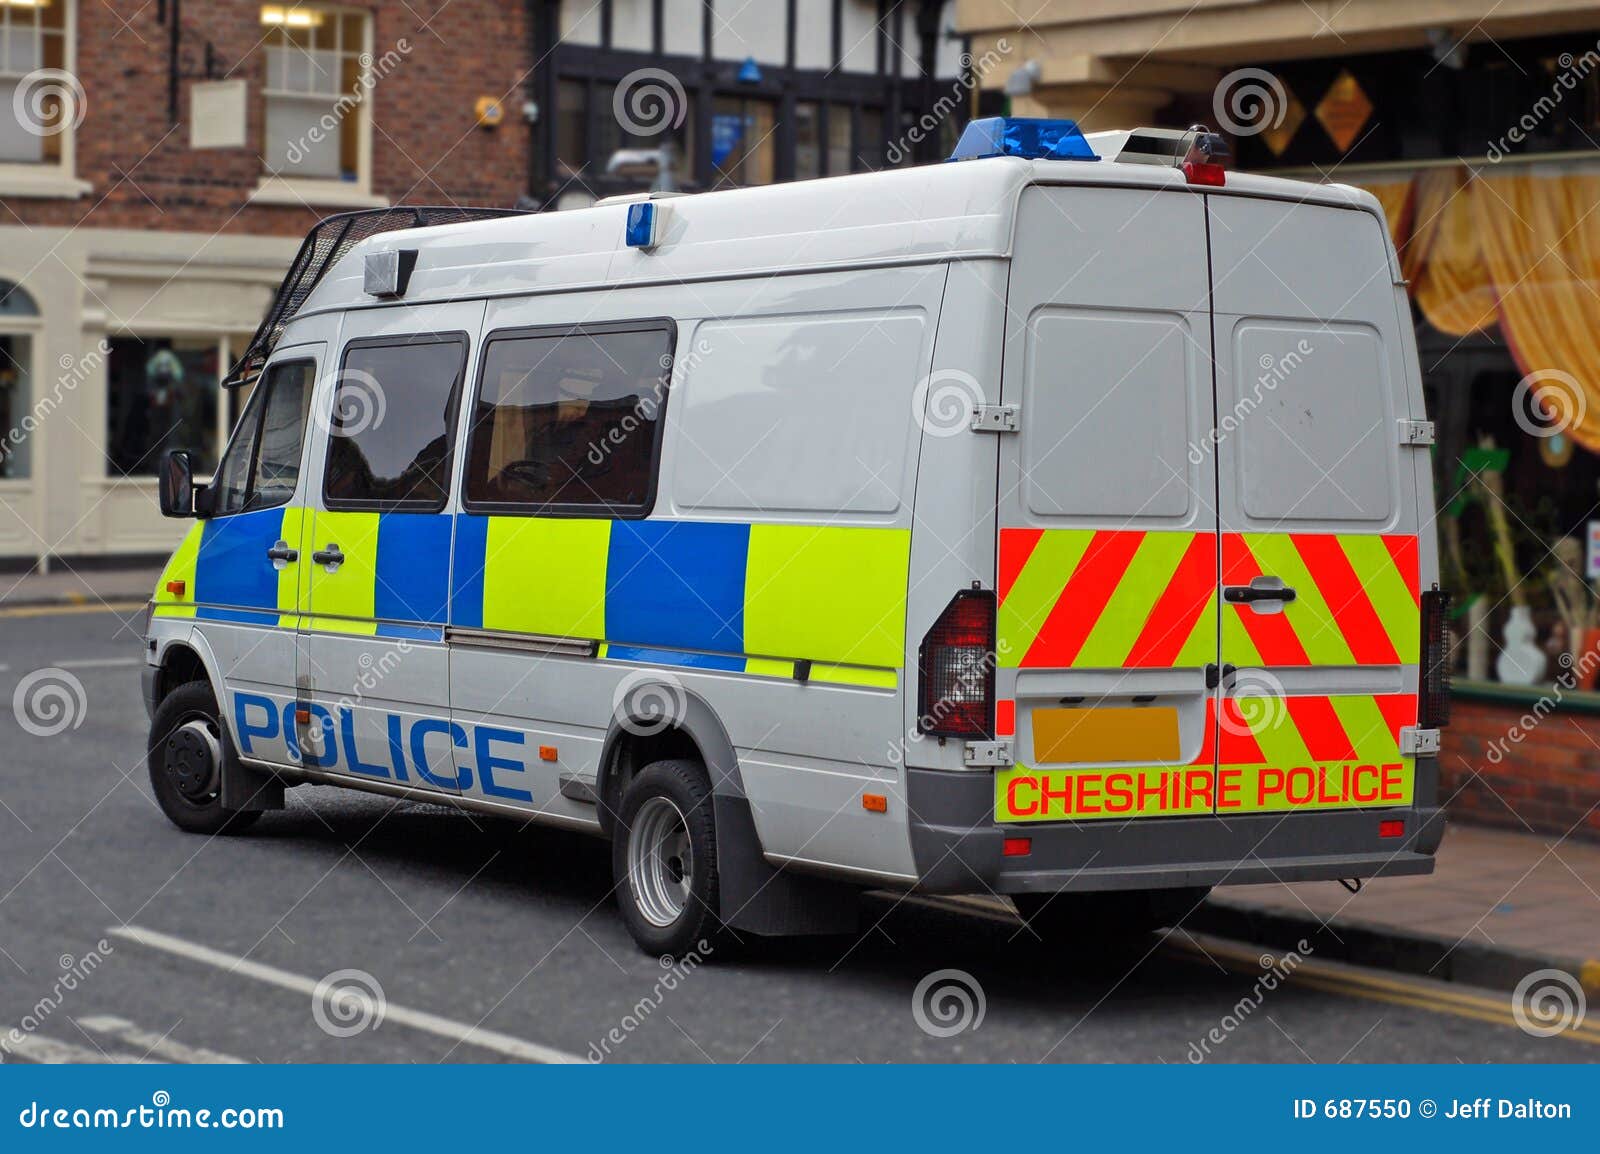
(75, 600)
(1388, 947)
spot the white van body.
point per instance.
(1091, 394)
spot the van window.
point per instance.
(827, 399)
(389, 434)
(262, 466)
(1315, 432)
(568, 421)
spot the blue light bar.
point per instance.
(1031, 138)
(640, 231)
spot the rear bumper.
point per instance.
(957, 844)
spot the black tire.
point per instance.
(1106, 915)
(191, 799)
(666, 793)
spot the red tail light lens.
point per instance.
(955, 666)
(1433, 682)
(1211, 175)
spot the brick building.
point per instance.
(158, 165)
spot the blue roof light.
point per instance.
(1031, 138)
(640, 231)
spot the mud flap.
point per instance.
(758, 898)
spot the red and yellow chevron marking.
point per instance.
(1271, 754)
(1356, 600)
(1123, 598)
(1106, 598)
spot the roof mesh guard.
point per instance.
(324, 245)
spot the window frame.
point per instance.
(264, 386)
(574, 509)
(58, 178)
(458, 337)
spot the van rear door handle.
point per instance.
(332, 557)
(1244, 594)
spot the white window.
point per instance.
(41, 101)
(320, 75)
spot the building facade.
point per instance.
(159, 164)
(1477, 126)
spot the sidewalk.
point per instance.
(77, 587)
(1499, 905)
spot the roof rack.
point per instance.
(327, 241)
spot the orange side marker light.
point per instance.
(176, 588)
(875, 803)
(547, 753)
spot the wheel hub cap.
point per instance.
(194, 760)
(660, 861)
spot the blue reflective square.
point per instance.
(641, 230)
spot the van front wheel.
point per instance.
(185, 757)
(664, 858)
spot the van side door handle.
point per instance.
(331, 557)
(280, 554)
(1245, 594)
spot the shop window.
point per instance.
(807, 140)
(39, 100)
(647, 116)
(839, 126)
(389, 436)
(162, 394)
(569, 421)
(18, 317)
(869, 150)
(744, 144)
(572, 126)
(315, 91)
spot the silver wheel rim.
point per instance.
(660, 861)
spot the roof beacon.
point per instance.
(1027, 137)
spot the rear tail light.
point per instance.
(955, 667)
(1394, 827)
(1433, 682)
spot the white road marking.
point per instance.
(48, 1051)
(99, 663)
(416, 1019)
(154, 1044)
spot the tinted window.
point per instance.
(389, 435)
(569, 421)
(262, 465)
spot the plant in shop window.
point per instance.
(1519, 661)
(1579, 608)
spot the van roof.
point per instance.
(929, 213)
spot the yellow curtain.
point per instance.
(1449, 277)
(1395, 197)
(1541, 249)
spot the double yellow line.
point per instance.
(69, 608)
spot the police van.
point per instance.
(1052, 523)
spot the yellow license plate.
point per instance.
(1105, 734)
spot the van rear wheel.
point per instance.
(1106, 914)
(664, 858)
(185, 756)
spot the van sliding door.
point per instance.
(1107, 551)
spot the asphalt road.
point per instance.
(492, 942)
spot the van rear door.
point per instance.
(1107, 553)
(1319, 619)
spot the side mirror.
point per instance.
(175, 484)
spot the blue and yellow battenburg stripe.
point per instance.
(739, 597)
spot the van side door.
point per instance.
(1107, 548)
(373, 674)
(1318, 505)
